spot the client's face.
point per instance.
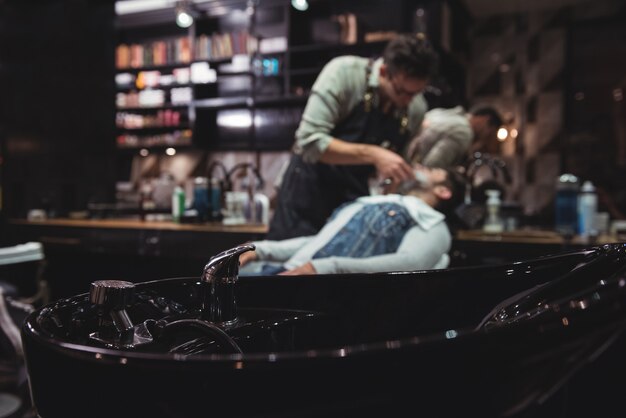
(425, 179)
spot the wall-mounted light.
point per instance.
(503, 134)
(507, 130)
(301, 5)
(184, 14)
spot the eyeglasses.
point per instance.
(401, 91)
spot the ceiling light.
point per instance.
(301, 5)
(139, 6)
(184, 17)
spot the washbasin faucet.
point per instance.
(218, 285)
(497, 166)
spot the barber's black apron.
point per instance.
(311, 191)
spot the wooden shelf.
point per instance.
(161, 87)
(222, 102)
(148, 129)
(528, 236)
(138, 224)
(172, 66)
(248, 101)
(165, 67)
(153, 148)
(295, 49)
(149, 108)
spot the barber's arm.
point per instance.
(332, 98)
(388, 164)
(314, 143)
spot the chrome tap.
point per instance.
(496, 165)
(115, 329)
(500, 176)
(226, 184)
(218, 285)
(260, 182)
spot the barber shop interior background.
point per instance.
(109, 109)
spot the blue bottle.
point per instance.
(201, 198)
(587, 210)
(566, 205)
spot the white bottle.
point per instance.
(587, 209)
(262, 206)
(494, 222)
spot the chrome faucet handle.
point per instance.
(112, 294)
(218, 282)
(112, 297)
(259, 179)
(225, 265)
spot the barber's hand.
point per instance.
(246, 257)
(303, 269)
(392, 166)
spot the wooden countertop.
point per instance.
(529, 236)
(525, 236)
(138, 224)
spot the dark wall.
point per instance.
(447, 88)
(57, 104)
(595, 147)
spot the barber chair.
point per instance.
(22, 288)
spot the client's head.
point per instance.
(443, 189)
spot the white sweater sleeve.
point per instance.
(279, 250)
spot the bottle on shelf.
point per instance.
(494, 222)
(215, 199)
(178, 204)
(262, 208)
(201, 198)
(566, 205)
(587, 210)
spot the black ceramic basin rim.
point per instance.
(30, 330)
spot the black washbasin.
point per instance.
(258, 331)
(484, 341)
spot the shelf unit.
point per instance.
(219, 64)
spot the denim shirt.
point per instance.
(375, 229)
(371, 234)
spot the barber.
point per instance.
(358, 119)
